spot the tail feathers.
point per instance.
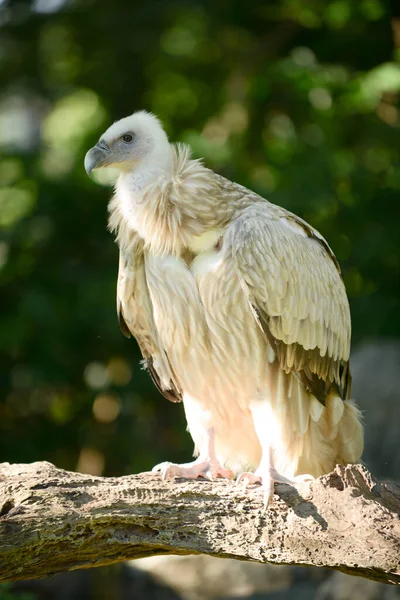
(337, 437)
(300, 404)
(316, 458)
(333, 414)
(350, 434)
(313, 438)
(316, 409)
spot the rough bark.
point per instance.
(53, 520)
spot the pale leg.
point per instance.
(267, 430)
(206, 465)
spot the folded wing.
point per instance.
(135, 317)
(296, 293)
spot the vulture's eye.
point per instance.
(127, 138)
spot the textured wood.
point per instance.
(53, 520)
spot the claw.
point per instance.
(165, 469)
(267, 484)
(248, 479)
(268, 480)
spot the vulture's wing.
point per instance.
(295, 290)
(135, 317)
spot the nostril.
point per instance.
(102, 144)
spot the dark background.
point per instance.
(297, 99)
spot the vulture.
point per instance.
(239, 309)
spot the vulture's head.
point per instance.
(128, 143)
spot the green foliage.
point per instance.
(295, 99)
(7, 593)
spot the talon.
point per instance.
(266, 482)
(222, 473)
(165, 470)
(249, 479)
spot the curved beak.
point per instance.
(97, 157)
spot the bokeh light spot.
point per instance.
(60, 408)
(264, 178)
(303, 57)
(48, 6)
(119, 371)
(66, 127)
(15, 203)
(281, 127)
(96, 376)
(19, 122)
(106, 408)
(178, 41)
(338, 13)
(320, 98)
(90, 461)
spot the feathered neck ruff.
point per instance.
(164, 211)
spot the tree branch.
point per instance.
(53, 520)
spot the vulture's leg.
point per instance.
(266, 473)
(206, 465)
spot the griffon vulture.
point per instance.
(239, 310)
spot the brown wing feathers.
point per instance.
(294, 288)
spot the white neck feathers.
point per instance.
(158, 164)
(167, 202)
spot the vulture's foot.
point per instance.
(205, 468)
(268, 480)
(249, 479)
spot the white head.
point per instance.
(129, 143)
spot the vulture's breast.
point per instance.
(205, 324)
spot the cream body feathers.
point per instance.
(239, 309)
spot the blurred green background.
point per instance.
(297, 99)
